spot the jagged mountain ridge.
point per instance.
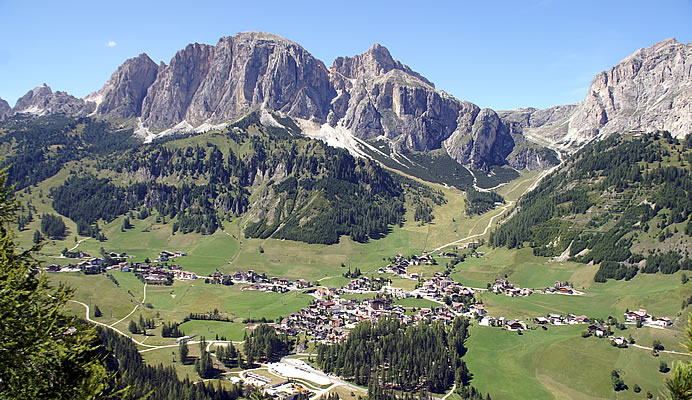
(372, 95)
(649, 90)
(367, 96)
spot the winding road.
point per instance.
(503, 209)
(149, 347)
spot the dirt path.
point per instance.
(503, 210)
(661, 351)
(78, 243)
(134, 309)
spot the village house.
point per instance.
(515, 325)
(598, 330)
(620, 340)
(640, 315)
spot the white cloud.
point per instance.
(111, 43)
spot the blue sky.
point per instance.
(498, 54)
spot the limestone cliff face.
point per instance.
(4, 109)
(122, 95)
(41, 100)
(648, 90)
(222, 82)
(379, 96)
(484, 143)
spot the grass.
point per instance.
(195, 297)
(96, 290)
(536, 365)
(210, 329)
(557, 363)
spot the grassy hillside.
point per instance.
(559, 364)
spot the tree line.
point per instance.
(388, 355)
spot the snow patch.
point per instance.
(34, 109)
(180, 128)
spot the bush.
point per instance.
(663, 367)
(618, 383)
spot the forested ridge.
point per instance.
(140, 380)
(387, 355)
(37, 148)
(306, 190)
(608, 203)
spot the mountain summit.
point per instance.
(374, 96)
(649, 90)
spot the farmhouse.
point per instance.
(640, 315)
(597, 330)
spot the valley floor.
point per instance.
(554, 363)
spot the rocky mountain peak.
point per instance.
(41, 100)
(374, 62)
(651, 89)
(251, 69)
(122, 95)
(4, 109)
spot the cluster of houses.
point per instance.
(400, 264)
(153, 274)
(558, 319)
(439, 286)
(363, 284)
(643, 316)
(258, 281)
(166, 255)
(502, 322)
(560, 288)
(329, 320)
(158, 274)
(504, 286)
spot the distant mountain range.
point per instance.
(371, 97)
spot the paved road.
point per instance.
(149, 347)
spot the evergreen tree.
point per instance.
(45, 354)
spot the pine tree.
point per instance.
(36, 333)
(183, 352)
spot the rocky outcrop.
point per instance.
(219, 83)
(648, 90)
(4, 109)
(41, 100)
(169, 97)
(123, 94)
(486, 142)
(379, 96)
